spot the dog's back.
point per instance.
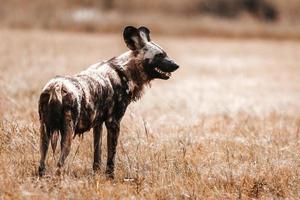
(89, 95)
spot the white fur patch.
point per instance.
(70, 87)
(144, 36)
(51, 82)
(124, 58)
(152, 50)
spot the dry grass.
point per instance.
(226, 125)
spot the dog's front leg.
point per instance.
(113, 129)
(97, 131)
(66, 138)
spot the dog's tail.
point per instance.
(54, 139)
(51, 112)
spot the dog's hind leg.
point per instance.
(113, 129)
(44, 144)
(66, 138)
(97, 131)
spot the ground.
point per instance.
(226, 126)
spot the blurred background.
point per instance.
(228, 18)
(225, 126)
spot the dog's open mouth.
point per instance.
(164, 75)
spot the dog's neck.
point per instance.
(133, 69)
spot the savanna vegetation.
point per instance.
(225, 126)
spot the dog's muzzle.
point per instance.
(165, 68)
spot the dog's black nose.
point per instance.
(176, 66)
(173, 65)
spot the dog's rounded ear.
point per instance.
(133, 38)
(145, 33)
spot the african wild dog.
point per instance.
(72, 105)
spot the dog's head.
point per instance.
(154, 59)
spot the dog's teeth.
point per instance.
(162, 72)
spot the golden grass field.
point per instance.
(226, 126)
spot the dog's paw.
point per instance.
(96, 167)
(109, 175)
(42, 171)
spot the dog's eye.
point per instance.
(161, 55)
